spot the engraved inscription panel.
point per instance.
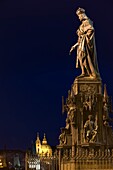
(89, 89)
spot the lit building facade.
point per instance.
(43, 149)
(42, 158)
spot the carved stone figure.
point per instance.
(90, 129)
(105, 121)
(67, 127)
(62, 137)
(71, 114)
(86, 48)
(86, 140)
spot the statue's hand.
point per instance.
(72, 48)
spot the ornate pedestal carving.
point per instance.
(87, 107)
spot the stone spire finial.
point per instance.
(44, 139)
(38, 139)
(37, 135)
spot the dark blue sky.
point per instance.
(35, 68)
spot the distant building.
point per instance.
(41, 156)
(43, 149)
(11, 159)
(3, 160)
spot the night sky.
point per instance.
(35, 67)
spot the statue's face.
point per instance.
(80, 16)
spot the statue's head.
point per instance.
(80, 11)
(90, 117)
(81, 14)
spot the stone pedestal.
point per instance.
(86, 85)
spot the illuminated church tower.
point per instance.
(86, 141)
(38, 145)
(42, 158)
(43, 149)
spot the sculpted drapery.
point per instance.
(86, 48)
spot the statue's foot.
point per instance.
(94, 75)
(91, 141)
(82, 75)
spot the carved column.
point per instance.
(59, 156)
(73, 139)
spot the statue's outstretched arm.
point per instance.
(72, 48)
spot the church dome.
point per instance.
(46, 149)
(46, 146)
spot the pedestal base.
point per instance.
(86, 85)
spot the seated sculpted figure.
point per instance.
(90, 129)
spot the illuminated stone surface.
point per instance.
(86, 142)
